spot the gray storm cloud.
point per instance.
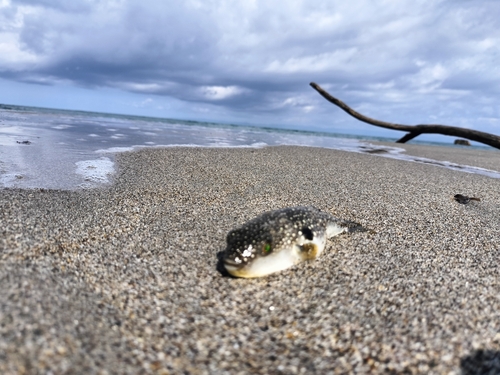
(380, 56)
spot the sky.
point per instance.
(250, 62)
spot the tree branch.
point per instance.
(414, 130)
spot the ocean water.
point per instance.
(59, 149)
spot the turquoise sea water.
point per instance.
(60, 149)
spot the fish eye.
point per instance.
(267, 248)
(308, 234)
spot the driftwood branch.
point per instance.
(415, 130)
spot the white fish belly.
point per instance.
(280, 260)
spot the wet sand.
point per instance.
(125, 279)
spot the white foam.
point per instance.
(95, 172)
(113, 150)
(400, 154)
(9, 179)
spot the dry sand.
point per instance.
(125, 280)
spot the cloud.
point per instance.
(257, 55)
(221, 92)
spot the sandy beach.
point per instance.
(125, 279)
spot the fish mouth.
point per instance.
(232, 264)
(236, 269)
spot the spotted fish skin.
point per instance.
(277, 240)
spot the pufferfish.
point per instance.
(277, 240)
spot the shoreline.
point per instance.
(488, 159)
(71, 152)
(97, 170)
(124, 278)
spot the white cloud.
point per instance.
(337, 60)
(12, 56)
(220, 92)
(428, 78)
